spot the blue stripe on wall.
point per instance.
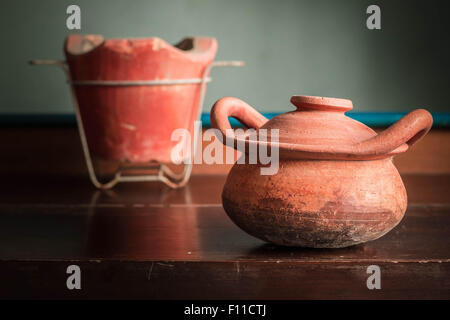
(373, 119)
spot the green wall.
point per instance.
(319, 47)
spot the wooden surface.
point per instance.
(142, 240)
(58, 150)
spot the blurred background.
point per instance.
(51, 213)
(320, 47)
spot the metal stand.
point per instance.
(164, 173)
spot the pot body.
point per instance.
(319, 204)
(135, 123)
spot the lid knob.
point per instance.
(321, 103)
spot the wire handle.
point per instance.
(165, 175)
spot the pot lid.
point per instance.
(319, 129)
(319, 121)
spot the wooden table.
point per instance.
(142, 240)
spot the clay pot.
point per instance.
(135, 122)
(336, 185)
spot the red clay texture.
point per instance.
(336, 185)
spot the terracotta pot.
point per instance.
(336, 185)
(135, 122)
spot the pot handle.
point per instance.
(409, 129)
(236, 108)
